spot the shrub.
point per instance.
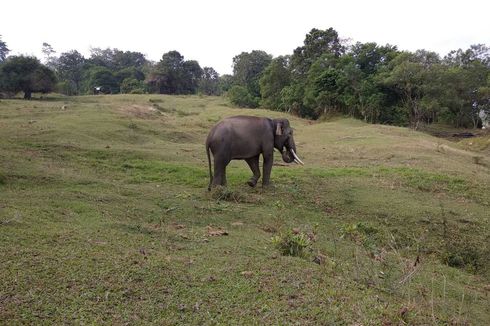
(292, 243)
(241, 97)
(132, 86)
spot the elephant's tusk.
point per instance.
(296, 158)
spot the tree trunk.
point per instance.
(27, 94)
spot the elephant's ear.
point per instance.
(279, 129)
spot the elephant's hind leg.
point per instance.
(219, 178)
(253, 163)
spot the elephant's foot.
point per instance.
(267, 185)
(252, 182)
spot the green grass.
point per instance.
(105, 219)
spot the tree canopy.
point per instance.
(26, 74)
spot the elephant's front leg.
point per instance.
(253, 163)
(268, 160)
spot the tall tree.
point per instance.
(103, 77)
(70, 67)
(4, 50)
(317, 43)
(209, 83)
(413, 78)
(274, 78)
(248, 68)
(26, 74)
(173, 75)
(370, 57)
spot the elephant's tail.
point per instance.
(209, 165)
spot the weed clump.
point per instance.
(293, 243)
(220, 193)
(465, 254)
(361, 233)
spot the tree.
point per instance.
(241, 97)
(416, 80)
(192, 73)
(26, 74)
(225, 82)
(370, 57)
(274, 78)
(476, 52)
(248, 68)
(129, 72)
(101, 77)
(317, 43)
(4, 51)
(132, 86)
(209, 83)
(126, 59)
(49, 59)
(48, 51)
(173, 75)
(70, 68)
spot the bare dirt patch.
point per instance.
(140, 111)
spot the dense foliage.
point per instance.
(378, 84)
(368, 81)
(25, 74)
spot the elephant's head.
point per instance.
(284, 141)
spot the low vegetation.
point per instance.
(105, 217)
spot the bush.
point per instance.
(241, 97)
(292, 243)
(132, 86)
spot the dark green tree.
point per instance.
(248, 68)
(241, 97)
(370, 57)
(4, 50)
(132, 86)
(225, 82)
(102, 77)
(274, 78)
(26, 74)
(317, 43)
(126, 59)
(173, 75)
(129, 72)
(322, 89)
(192, 73)
(209, 83)
(70, 69)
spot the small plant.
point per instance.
(220, 193)
(132, 126)
(362, 234)
(292, 243)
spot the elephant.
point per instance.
(245, 138)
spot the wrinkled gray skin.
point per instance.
(245, 138)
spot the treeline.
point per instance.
(108, 71)
(375, 83)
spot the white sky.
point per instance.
(213, 32)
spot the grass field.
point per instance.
(105, 219)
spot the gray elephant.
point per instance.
(245, 138)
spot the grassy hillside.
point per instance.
(105, 218)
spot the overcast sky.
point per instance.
(213, 32)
